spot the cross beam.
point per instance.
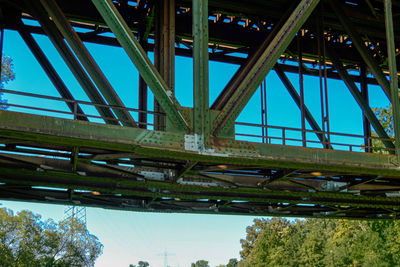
(310, 118)
(266, 60)
(88, 61)
(361, 48)
(73, 64)
(360, 100)
(50, 71)
(152, 77)
(176, 146)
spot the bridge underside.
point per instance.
(190, 159)
(71, 162)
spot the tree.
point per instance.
(232, 263)
(27, 240)
(324, 242)
(200, 263)
(140, 264)
(143, 264)
(385, 117)
(251, 236)
(7, 75)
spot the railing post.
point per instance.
(75, 110)
(394, 83)
(283, 136)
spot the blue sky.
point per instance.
(131, 236)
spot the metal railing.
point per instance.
(287, 136)
(74, 114)
(271, 134)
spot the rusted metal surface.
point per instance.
(174, 162)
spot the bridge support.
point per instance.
(164, 53)
(360, 100)
(73, 64)
(156, 83)
(262, 61)
(200, 158)
(361, 48)
(394, 82)
(88, 62)
(201, 108)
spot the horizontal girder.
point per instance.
(137, 169)
(236, 28)
(186, 159)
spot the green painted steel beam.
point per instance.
(360, 46)
(394, 82)
(369, 114)
(106, 204)
(88, 61)
(152, 77)
(164, 53)
(262, 65)
(177, 146)
(49, 70)
(201, 110)
(70, 60)
(131, 187)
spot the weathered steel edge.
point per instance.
(128, 187)
(210, 212)
(172, 145)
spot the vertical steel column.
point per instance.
(325, 118)
(394, 83)
(143, 29)
(164, 53)
(1, 49)
(142, 96)
(322, 72)
(201, 112)
(301, 84)
(265, 111)
(264, 117)
(366, 124)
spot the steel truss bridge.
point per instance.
(197, 159)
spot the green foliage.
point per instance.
(252, 234)
(385, 116)
(26, 240)
(140, 264)
(7, 75)
(319, 242)
(200, 263)
(232, 263)
(7, 70)
(143, 264)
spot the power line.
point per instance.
(166, 254)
